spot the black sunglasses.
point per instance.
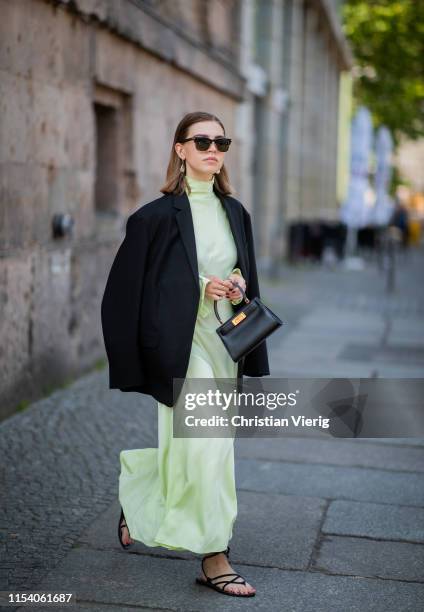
(203, 143)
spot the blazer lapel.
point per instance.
(185, 224)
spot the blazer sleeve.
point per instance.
(255, 362)
(120, 308)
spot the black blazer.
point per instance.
(152, 294)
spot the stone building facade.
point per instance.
(91, 92)
(293, 55)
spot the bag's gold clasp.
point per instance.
(238, 318)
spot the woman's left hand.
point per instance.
(235, 293)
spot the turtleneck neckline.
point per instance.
(200, 187)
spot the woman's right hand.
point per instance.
(217, 288)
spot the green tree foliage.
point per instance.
(387, 39)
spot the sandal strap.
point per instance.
(226, 582)
(212, 555)
(123, 524)
(233, 581)
(222, 575)
(226, 551)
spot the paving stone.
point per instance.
(78, 607)
(382, 521)
(331, 482)
(140, 580)
(276, 530)
(405, 442)
(372, 558)
(95, 608)
(329, 451)
(253, 542)
(62, 458)
(102, 534)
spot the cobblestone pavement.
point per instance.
(59, 470)
(323, 525)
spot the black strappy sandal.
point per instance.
(213, 585)
(123, 523)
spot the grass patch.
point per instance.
(23, 405)
(100, 364)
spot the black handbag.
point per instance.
(249, 326)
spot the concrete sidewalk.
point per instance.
(323, 524)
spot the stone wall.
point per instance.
(68, 74)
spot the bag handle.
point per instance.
(215, 302)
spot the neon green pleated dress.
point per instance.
(182, 495)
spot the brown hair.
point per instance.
(175, 180)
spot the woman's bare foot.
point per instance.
(125, 533)
(218, 564)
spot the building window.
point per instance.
(107, 170)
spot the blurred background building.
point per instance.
(91, 93)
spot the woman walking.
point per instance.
(180, 253)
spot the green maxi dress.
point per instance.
(182, 495)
